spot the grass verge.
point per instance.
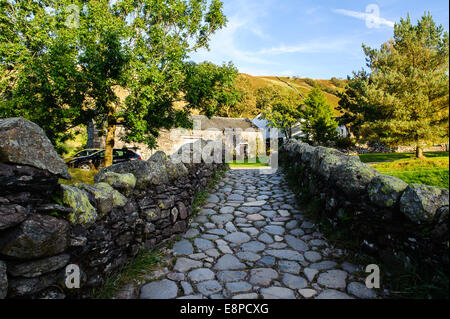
(430, 171)
(249, 163)
(80, 176)
(384, 157)
(134, 272)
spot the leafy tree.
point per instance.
(405, 98)
(211, 88)
(319, 124)
(38, 79)
(280, 107)
(124, 63)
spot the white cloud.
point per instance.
(372, 19)
(324, 45)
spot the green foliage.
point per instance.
(211, 88)
(124, 63)
(280, 107)
(319, 124)
(405, 98)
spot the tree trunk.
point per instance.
(90, 134)
(110, 139)
(419, 151)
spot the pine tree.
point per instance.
(409, 86)
(319, 124)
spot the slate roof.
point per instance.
(222, 123)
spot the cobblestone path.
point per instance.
(251, 241)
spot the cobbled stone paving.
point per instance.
(250, 241)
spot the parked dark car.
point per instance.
(85, 152)
(97, 160)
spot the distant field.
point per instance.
(432, 170)
(247, 164)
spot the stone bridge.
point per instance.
(250, 240)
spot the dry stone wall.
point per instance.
(45, 226)
(399, 223)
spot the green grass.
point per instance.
(133, 272)
(432, 171)
(258, 163)
(384, 157)
(80, 176)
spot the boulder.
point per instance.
(146, 173)
(420, 203)
(39, 267)
(385, 191)
(352, 177)
(105, 196)
(27, 286)
(3, 280)
(83, 212)
(11, 215)
(38, 236)
(174, 170)
(23, 142)
(124, 183)
(324, 159)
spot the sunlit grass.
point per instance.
(432, 171)
(259, 162)
(383, 157)
(80, 176)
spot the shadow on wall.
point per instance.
(45, 226)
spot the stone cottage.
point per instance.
(238, 134)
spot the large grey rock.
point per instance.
(332, 294)
(209, 287)
(333, 279)
(238, 287)
(163, 289)
(105, 196)
(23, 142)
(237, 238)
(183, 247)
(296, 243)
(352, 177)
(285, 254)
(124, 183)
(421, 202)
(201, 274)
(324, 159)
(3, 280)
(361, 291)
(39, 236)
(274, 229)
(277, 293)
(186, 264)
(231, 275)
(11, 215)
(36, 268)
(385, 191)
(262, 276)
(83, 212)
(146, 173)
(228, 262)
(174, 170)
(27, 286)
(294, 282)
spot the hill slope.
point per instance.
(303, 85)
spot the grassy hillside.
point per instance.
(303, 85)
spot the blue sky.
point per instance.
(316, 39)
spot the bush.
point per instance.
(345, 142)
